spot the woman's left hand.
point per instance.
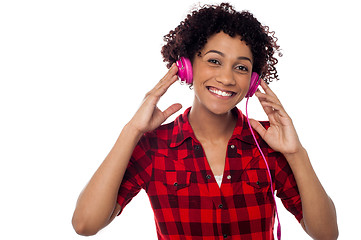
(281, 136)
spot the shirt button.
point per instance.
(229, 177)
(196, 147)
(232, 146)
(175, 184)
(220, 205)
(225, 235)
(208, 176)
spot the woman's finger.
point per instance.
(266, 97)
(267, 89)
(262, 98)
(163, 85)
(271, 107)
(258, 127)
(267, 109)
(171, 72)
(171, 110)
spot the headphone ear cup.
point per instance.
(255, 82)
(185, 71)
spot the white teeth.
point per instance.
(220, 93)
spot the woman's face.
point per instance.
(221, 74)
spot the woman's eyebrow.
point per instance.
(222, 54)
(215, 51)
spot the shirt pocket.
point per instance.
(177, 180)
(258, 179)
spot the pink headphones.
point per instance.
(185, 74)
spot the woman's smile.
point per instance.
(220, 93)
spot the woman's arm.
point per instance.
(319, 214)
(97, 206)
(96, 203)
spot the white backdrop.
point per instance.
(73, 73)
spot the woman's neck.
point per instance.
(211, 127)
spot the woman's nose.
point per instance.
(226, 77)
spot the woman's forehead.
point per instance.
(230, 46)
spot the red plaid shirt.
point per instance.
(170, 165)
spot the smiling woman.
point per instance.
(203, 172)
(223, 68)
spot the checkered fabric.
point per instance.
(170, 165)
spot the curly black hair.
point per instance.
(191, 35)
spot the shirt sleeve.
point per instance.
(137, 174)
(285, 182)
(286, 187)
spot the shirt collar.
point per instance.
(183, 130)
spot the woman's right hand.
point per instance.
(149, 116)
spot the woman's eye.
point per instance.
(214, 61)
(242, 68)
